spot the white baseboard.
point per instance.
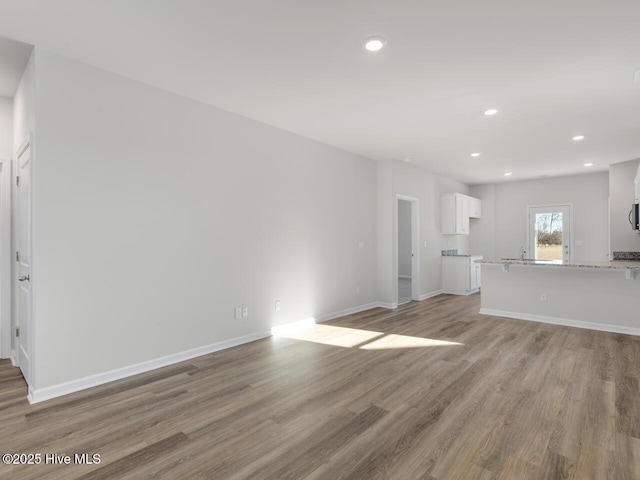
(14, 362)
(47, 393)
(390, 306)
(603, 327)
(394, 305)
(424, 296)
(465, 293)
(347, 311)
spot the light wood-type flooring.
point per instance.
(432, 390)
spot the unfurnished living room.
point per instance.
(319, 240)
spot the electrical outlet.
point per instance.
(543, 297)
(245, 312)
(361, 244)
(238, 313)
(277, 306)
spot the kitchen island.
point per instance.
(596, 295)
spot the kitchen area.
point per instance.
(461, 274)
(594, 283)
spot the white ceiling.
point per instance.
(553, 68)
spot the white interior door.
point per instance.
(550, 233)
(23, 256)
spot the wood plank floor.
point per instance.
(432, 390)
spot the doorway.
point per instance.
(549, 233)
(407, 243)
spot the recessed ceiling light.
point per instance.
(373, 44)
(589, 164)
(476, 154)
(636, 76)
(577, 138)
(508, 174)
(491, 111)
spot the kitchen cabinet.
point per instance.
(456, 211)
(475, 279)
(460, 274)
(475, 207)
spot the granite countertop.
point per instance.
(615, 264)
(634, 256)
(454, 253)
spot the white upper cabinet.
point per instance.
(475, 207)
(456, 211)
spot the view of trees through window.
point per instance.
(549, 236)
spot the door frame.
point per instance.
(415, 247)
(6, 286)
(15, 356)
(550, 205)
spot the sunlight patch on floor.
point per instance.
(331, 335)
(354, 337)
(392, 340)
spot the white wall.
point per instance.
(386, 280)
(157, 215)
(404, 238)
(597, 298)
(428, 188)
(509, 201)
(6, 149)
(23, 117)
(621, 188)
(482, 236)
(24, 106)
(6, 127)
